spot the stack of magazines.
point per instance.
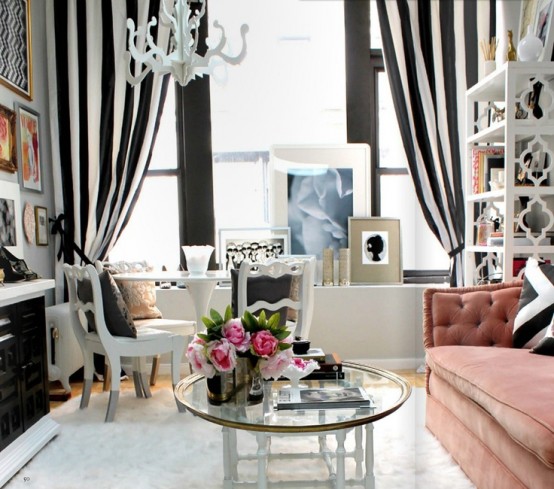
(330, 365)
(330, 398)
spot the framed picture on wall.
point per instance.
(41, 220)
(15, 42)
(30, 155)
(11, 226)
(375, 251)
(315, 189)
(8, 151)
(543, 27)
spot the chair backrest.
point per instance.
(299, 298)
(92, 310)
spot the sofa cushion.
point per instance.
(514, 386)
(536, 304)
(546, 345)
(140, 296)
(117, 316)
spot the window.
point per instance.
(290, 89)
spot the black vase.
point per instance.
(220, 387)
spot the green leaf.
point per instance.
(204, 337)
(216, 316)
(285, 346)
(281, 333)
(228, 313)
(249, 321)
(208, 322)
(274, 320)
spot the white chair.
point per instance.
(182, 327)
(147, 343)
(300, 297)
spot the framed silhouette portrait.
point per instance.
(375, 250)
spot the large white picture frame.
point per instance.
(11, 227)
(298, 195)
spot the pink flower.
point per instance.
(196, 355)
(264, 344)
(273, 367)
(234, 332)
(222, 354)
(300, 363)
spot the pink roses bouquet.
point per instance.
(260, 339)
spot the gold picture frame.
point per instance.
(16, 62)
(375, 251)
(8, 148)
(41, 220)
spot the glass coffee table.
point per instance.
(388, 391)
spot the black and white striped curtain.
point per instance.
(431, 55)
(103, 129)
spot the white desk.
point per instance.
(200, 287)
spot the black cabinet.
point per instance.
(23, 376)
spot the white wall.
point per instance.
(38, 258)
(380, 323)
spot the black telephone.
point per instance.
(15, 269)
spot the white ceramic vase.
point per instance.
(530, 47)
(198, 258)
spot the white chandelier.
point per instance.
(182, 61)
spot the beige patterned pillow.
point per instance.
(140, 297)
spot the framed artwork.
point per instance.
(30, 155)
(11, 227)
(543, 27)
(41, 220)
(375, 251)
(8, 151)
(527, 17)
(315, 190)
(15, 47)
(255, 244)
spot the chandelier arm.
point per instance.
(154, 50)
(132, 79)
(218, 50)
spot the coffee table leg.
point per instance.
(359, 451)
(262, 455)
(229, 457)
(369, 457)
(341, 452)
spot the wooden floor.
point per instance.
(164, 382)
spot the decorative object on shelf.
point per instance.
(29, 226)
(8, 150)
(328, 266)
(530, 47)
(344, 266)
(375, 250)
(488, 48)
(298, 369)
(484, 230)
(255, 244)
(16, 54)
(183, 61)
(198, 258)
(258, 340)
(511, 53)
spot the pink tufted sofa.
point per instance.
(490, 405)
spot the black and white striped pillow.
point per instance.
(536, 305)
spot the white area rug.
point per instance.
(151, 445)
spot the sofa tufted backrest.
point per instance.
(478, 316)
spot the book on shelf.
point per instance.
(335, 398)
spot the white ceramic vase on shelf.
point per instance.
(530, 47)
